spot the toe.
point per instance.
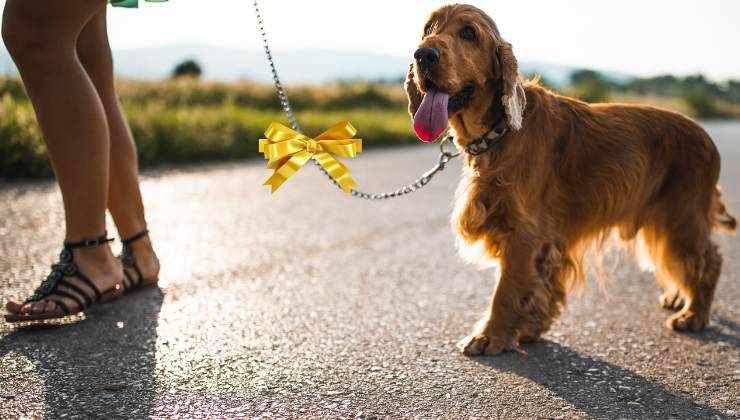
(473, 345)
(51, 307)
(671, 300)
(482, 344)
(678, 303)
(686, 322)
(13, 307)
(665, 301)
(32, 308)
(38, 307)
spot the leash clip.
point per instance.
(442, 160)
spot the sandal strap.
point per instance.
(90, 284)
(74, 287)
(139, 275)
(66, 267)
(129, 261)
(128, 281)
(131, 283)
(80, 304)
(135, 237)
(89, 242)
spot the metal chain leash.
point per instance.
(442, 160)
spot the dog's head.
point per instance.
(461, 56)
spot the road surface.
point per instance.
(307, 303)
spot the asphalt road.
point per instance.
(308, 303)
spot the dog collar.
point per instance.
(485, 142)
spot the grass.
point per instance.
(198, 133)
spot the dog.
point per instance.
(547, 176)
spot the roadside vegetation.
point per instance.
(186, 120)
(693, 95)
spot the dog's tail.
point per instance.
(721, 216)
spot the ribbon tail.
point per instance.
(336, 170)
(287, 169)
(275, 164)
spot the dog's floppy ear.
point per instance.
(412, 91)
(513, 96)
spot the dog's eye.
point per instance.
(467, 33)
(428, 29)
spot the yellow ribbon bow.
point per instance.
(287, 151)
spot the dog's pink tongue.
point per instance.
(431, 118)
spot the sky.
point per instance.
(643, 38)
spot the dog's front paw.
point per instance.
(481, 344)
(687, 321)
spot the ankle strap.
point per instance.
(135, 237)
(88, 243)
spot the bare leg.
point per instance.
(124, 197)
(41, 37)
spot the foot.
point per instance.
(687, 321)
(96, 263)
(146, 260)
(484, 342)
(672, 300)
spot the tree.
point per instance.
(733, 90)
(701, 103)
(590, 86)
(188, 68)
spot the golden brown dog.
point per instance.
(564, 176)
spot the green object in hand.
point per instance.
(131, 3)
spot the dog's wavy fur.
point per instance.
(566, 176)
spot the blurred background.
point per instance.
(194, 81)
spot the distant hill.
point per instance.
(304, 66)
(6, 64)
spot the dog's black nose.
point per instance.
(427, 56)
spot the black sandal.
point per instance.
(66, 267)
(129, 261)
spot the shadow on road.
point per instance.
(714, 332)
(101, 367)
(596, 387)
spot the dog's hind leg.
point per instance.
(697, 284)
(671, 297)
(688, 265)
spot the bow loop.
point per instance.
(288, 150)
